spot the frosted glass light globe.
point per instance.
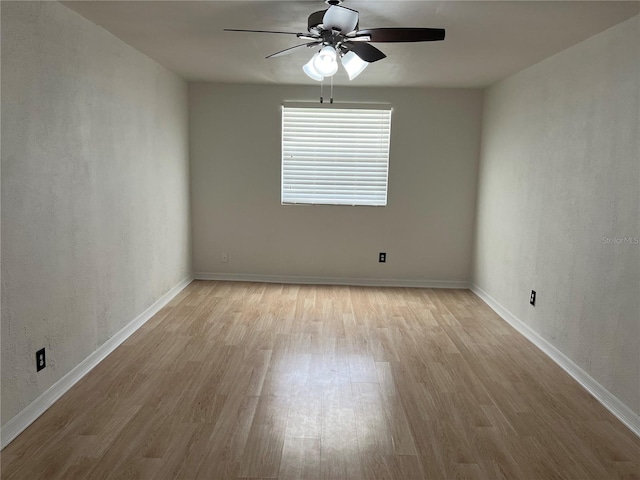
(353, 64)
(310, 71)
(325, 62)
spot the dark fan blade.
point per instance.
(402, 34)
(366, 52)
(262, 31)
(315, 20)
(287, 51)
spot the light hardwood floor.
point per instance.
(242, 380)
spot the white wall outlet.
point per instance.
(224, 257)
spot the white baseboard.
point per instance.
(362, 282)
(604, 396)
(26, 417)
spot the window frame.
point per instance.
(335, 106)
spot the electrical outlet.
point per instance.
(224, 257)
(382, 258)
(532, 298)
(41, 360)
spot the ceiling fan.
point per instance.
(336, 32)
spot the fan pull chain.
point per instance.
(322, 91)
(331, 98)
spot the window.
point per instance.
(333, 155)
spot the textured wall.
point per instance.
(426, 228)
(559, 176)
(95, 194)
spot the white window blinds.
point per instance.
(335, 155)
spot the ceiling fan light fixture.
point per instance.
(353, 64)
(325, 61)
(336, 30)
(311, 71)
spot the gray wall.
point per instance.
(559, 176)
(426, 228)
(95, 213)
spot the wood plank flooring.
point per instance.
(247, 380)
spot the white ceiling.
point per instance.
(485, 40)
